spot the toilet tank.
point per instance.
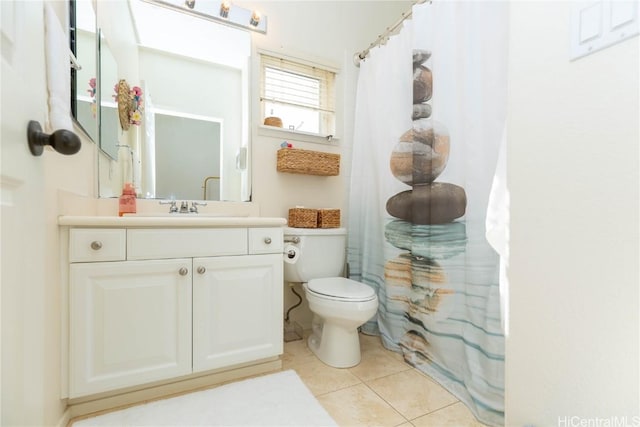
(321, 253)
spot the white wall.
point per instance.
(573, 176)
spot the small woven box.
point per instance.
(303, 218)
(328, 218)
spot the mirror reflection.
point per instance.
(108, 114)
(192, 140)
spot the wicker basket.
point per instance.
(273, 121)
(124, 104)
(329, 218)
(308, 162)
(303, 218)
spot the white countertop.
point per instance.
(173, 220)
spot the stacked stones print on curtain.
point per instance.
(425, 226)
(420, 157)
(440, 287)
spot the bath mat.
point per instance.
(279, 399)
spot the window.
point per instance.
(301, 95)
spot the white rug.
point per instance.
(279, 399)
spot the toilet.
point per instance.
(339, 305)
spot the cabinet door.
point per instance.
(130, 323)
(237, 310)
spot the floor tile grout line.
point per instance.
(378, 378)
(434, 411)
(339, 389)
(388, 403)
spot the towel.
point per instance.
(497, 226)
(58, 72)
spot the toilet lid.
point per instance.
(343, 288)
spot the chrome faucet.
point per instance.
(173, 208)
(194, 206)
(184, 206)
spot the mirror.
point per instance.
(193, 137)
(108, 112)
(82, 32)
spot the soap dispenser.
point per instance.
(127, 203)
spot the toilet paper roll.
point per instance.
(291, 254)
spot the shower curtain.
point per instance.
(430, 117)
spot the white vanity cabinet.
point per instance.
(154, 304)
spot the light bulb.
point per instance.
(224, 8)
(255, 18)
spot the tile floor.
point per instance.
(381, 391)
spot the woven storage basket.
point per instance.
(308, 162)
(303, 218)
(273, 121)
(329, 218)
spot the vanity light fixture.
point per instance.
(224, 8)
(219, 11)
(255, 18)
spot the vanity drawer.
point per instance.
(265, 240)
(97, 244)
(185, 242)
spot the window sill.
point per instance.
(296, 135)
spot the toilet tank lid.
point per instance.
(341, 287)
(291, 231)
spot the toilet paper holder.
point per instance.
(290, 254)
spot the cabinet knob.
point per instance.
(201, 270)
(267, 240)
(183, 271)
(96, 245)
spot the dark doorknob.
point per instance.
(63, 141)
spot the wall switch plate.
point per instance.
(596, 25)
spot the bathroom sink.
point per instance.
(165, 219)
(184, 215)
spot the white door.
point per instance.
(130, 323)
(237, 310)
(23, 303)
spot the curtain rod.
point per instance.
(381, 38)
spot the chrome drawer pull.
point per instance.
(183, 271)
(267, 240)
(201, 270)
(96, 245)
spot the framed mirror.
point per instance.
(82, 35)
(192, 141)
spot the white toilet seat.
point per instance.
(340, 289)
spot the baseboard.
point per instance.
(65, 419)
(93, 405)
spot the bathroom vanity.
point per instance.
(159, 299)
